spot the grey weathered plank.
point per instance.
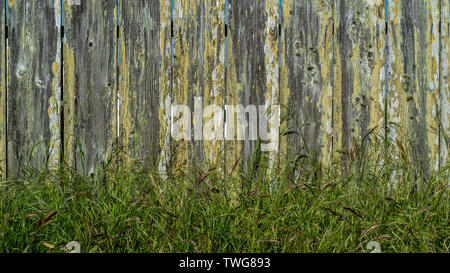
(445, 84)
(2, 91)
(90, 89)
(252, 67)
(359, 104)
(198, 71)
(413, 79)
(213, 31)
(139, 73)
(306, 78)
(187, 73)
(33, 85)
(165, 86)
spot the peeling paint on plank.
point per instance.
(140, 60)
(2, 92)
(413, 79)
(445, 84)
(359, 74)
(251, 75)
(34, 85)
(306, 79)
(272, 93)
(213, 32)
(187, 63)
(199, 72)
(165, 86)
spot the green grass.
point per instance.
(301, 206)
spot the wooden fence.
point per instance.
(82, 79)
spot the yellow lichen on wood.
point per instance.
(397, 117)
(67, 10)
(377, 88)
(432, 83)
(306, 80)
(2, 104)
(396, 96)
(359, 74)
(377, 50)
(54, 117)
(272, 75)
(165, 98)
(35, 130)
(112, 140)
(325, 103)
(69, 104)
(54, 110)
(233, 149)
(214, 73)
(337, 103)
(445, 85)
(413, 94)
(184, 56)
(286, 17)
(124, 98)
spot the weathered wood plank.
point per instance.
(252, 70)
(272, 84)
(306, 78)
(165, 85)
(90, 88)
(2, 91)
(214, 80)
(359, 74)
(413, 79)
(140, 60)
(445, 84)
(199, 72)
(34, 85)
(187, 74)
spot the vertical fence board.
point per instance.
(305, 78)
(165, 86)
(90, 92)
(413, 78)
(359, 73)
(34, 85)
(272, 80)
(140, 60)
(187, 70)
(199, 72)
(214, 76)
(445, 83)
(2, 91)
(252, 67)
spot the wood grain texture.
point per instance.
(445, 84)
(413, 79)
(359, 74)
(90, 89)
(140, 60)
(332, 104)
(34, 85)
(252, 69)
(187, 72)
(214, 80)
(306, 78)
(2, 91)
(271, 146)
(165, 86)
(198, 71)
